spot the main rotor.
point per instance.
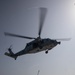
(43, 12)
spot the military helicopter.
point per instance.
(38, 44)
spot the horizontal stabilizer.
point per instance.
(11, 55)
(7, 54)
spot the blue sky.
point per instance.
(22, 17)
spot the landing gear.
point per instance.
(46, 52)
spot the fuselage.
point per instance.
(34, 46)
(40, 45)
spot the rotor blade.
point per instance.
(10, 46)
(63, 39)
(20, 36)
(43, 12)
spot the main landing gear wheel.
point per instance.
(46, 52)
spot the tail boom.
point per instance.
(10, 54)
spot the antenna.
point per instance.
(38, 72)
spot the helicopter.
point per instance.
(37, 44)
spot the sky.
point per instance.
(22, 17)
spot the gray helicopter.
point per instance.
(38, 44)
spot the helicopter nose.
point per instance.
(59, 42)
